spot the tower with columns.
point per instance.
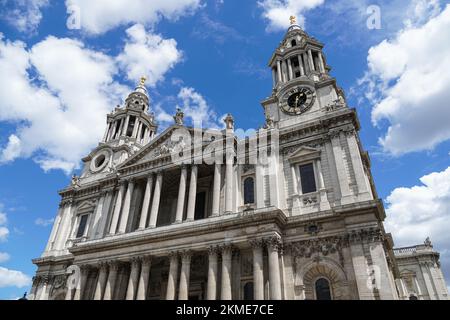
(290, 213)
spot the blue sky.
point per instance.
(210, 57)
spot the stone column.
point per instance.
(306, 63)
(216, 189)
(173, 275)
(111, 282)
(311, 61)
(227, 252)
(126, 207)
(192, 194)
(302, 68)
(291, 73)
(321, 63)
(258, 269)
(79, 291)
(156, 201)
(101, 282)
(146, 203)
(136, 128)
(229, 184)
(132, 281)
(125, 126)
(181, 195)
(116, 214)
(280, 78)
(285, 71)
(274, 77)
(143, 279)
(183, 292)
(212, 274)
(273, 245)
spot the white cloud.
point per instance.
(12, 150)
(4, 231)
(102, 15)
(148, 54)
(13, 278)
(58, 94)
(24, 15)
(197, 109)
(422, 211)
(408, 84)
(4, 257)
(44, 222)
(277, 12)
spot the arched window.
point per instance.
(293, 43)
(249, 191)
(248, 291)
(323, 291)
(413, 297)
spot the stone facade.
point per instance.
(305, 224)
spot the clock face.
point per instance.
(297, 101)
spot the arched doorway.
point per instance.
(323, 289)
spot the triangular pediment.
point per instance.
(86, 206)
(304, 153)
(167, 143)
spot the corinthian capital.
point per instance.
(274, 242)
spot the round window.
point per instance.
(100, 161)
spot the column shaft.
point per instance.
(212, 275)
(146, 203)
(216, 189)
(229, 185)
(181, 195)
(101, 282)
(274, 270)
(183, 293)
(156, 201)
(226, 273)
(143, 279)
(173, 275)
(111, 282)
(133, 280)
(126, 207)
(118, 206)
(192, 194)
(258, 270)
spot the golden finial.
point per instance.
(143, 79)
(293, 20)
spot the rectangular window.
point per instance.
(308, 179)
(82, 226)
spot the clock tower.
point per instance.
(302, 87)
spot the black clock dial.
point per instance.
(297, 100)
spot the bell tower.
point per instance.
(302, 86)
(129, 128)
(133, 123)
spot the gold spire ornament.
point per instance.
(293, 20)
(143, 79)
